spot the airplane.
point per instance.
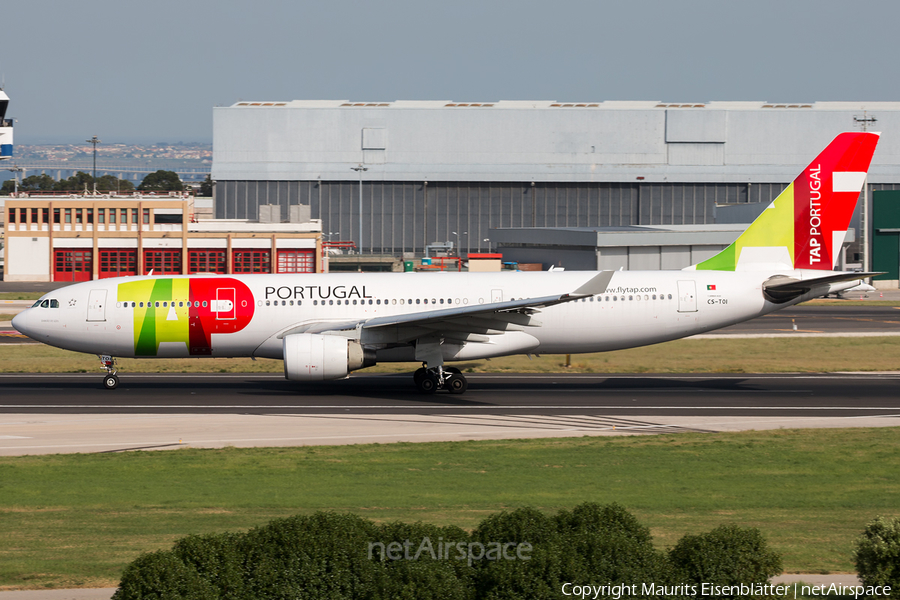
(324, 326)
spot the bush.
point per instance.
(215, 558)
(310, 557)
(334, 556)
(162, 576)
(436, 572)
(592, 543)
(607, 543)
(877, 554)
(727, 555)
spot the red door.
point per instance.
(71, 264)
(118, 262)
(162, 261)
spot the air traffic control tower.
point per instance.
(6, 128)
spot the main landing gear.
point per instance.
(110, 381)
(428, 381)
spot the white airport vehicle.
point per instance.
(323, 326)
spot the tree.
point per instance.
(78, 182)
(206, 188)
(34, 183)
(111, 183)
(161, 181)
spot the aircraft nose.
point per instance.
(20, 322)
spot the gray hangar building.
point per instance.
(435, 171)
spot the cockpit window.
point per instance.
(45, 304)
(54, 303)
(36, 304)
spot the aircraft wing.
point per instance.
(494, 317)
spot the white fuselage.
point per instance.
(152, 316)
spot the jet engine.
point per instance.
(312, 357)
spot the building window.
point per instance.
(101, 216)
(166, 219)
(146, 216)
(296, 261)
(69, 216)
(12, 215)
(162, 261)
(112, 216)
(56, 215)
(79, 212)
(206, 260)
(34, 215)
(252, 261)
(45, 214)
(90, 215)
(134, 215)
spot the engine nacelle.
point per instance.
(312, 357)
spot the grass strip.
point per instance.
(76, 520)
(761, 355)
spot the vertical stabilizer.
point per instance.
(804, 227)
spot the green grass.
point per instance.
(765, 355)
(76, 520)
(21, 295)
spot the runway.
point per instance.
(70, 413)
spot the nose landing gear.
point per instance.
(428, 381)
(110, 381)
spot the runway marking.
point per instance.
(14, 437)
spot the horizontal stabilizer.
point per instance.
(781, 289)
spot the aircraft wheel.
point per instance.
(457, 384)
(110, 382)
(418, 375)
(427, 384)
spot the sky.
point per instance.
(145, 72)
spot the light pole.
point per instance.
(94, 141)
(360, 170)
(458, 247)
(488, 240)
(15, 170)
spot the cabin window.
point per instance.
(268, 302)
(204, 304)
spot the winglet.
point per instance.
(804, 227)
(596, 285)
